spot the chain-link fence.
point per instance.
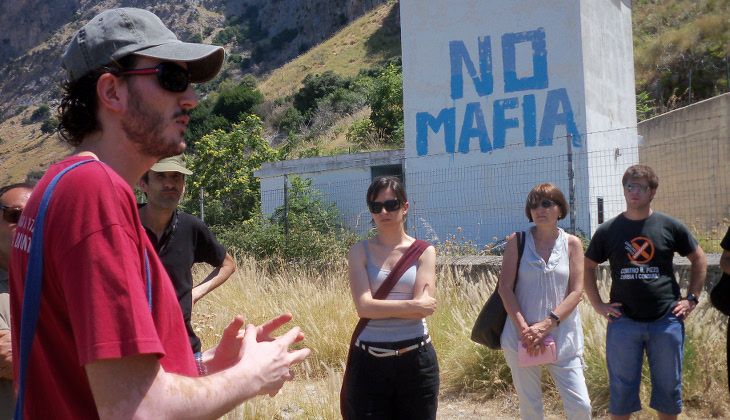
(482, 203)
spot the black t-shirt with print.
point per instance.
(640, 253)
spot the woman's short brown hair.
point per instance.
(543, 191)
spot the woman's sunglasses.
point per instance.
(170, 76)
(11, 214)
(378, 206)
(545, 203)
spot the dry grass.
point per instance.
(24, 148)
(321, 304)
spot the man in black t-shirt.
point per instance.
(645, 312)
(181, 239)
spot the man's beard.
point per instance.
(145, 127)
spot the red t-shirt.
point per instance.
(94, 300)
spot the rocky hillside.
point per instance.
(264, 33)
(259, 36)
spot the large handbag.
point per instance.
(720, 294)
(488, 327)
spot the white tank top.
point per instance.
(540, 288)
(392, 329)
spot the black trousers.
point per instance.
(396, 387)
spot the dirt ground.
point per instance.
(507, 408)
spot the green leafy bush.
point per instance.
(386, 102)
(224, 163)
(49, 125)
(308, 231)
(237, 100)
(315, 87)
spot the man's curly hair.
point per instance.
(77, 111)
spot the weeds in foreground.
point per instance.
(321, 304)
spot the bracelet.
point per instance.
(555, 317)
(202, 368)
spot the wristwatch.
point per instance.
(554, 316)
(693, 298)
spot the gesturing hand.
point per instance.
(269, 362)
(230, 348)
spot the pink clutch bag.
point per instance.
(549, 356)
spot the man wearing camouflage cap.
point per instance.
(110, 339)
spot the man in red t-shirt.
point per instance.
(110, 340)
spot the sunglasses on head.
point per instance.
(378, 206)
(170, 76)
(544, 203)
(11, 214)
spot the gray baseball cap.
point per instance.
(116, 33)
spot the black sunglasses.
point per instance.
(11, 214)
(378, 206)
(545, 203)
(170, 76)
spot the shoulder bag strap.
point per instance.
(409, 257)
(30, 310)
(520, 250)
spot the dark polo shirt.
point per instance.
(186, 241)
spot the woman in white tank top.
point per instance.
(542, 307)
(392, 371)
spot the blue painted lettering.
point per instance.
(502, 123)
(459, 55)
(529, 120)
(558, 112)
(474, 126)
(445, 119)
(539, 78)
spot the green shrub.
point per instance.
(309, 231)
(386, 103)
(49, 125)
(291, 121)
(315, 87)
(361, 133)
(237, 100)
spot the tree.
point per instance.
(386, 103)
(239, 100)
(224, 163)
(315, 87)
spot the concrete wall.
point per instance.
(342, 180)
(493, 90)
(689, 148)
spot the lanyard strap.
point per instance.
(34, 284)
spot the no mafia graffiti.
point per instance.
(516, 110)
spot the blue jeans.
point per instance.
(397, 387)
(663, 341)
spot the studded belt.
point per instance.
(381, 352)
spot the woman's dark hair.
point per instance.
(383, 183)
(543, 191)
(77, 111)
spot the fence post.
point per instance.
(286, 212)
(571, 184)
